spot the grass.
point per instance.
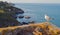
(1, 11)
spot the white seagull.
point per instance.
(47, 17)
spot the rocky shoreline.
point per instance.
(8, 14)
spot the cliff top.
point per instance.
(44, 26)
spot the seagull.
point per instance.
(47, 17)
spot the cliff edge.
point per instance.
(44, 28)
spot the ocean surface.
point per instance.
(37, 11)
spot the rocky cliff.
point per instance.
(44, 28)
(8, 14)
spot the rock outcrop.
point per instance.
(8, 14)
(44, 28)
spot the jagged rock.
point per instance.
(27, 17)
(21, 16)
(24, 23)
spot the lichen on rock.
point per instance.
(44, 28)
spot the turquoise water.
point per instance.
(37, 12)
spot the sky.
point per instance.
(32, 1)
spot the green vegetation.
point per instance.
(1, 11)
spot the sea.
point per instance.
(37, 11)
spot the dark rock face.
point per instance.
(21, 16)
(24, 23)
(8, 14)
(25, 31)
